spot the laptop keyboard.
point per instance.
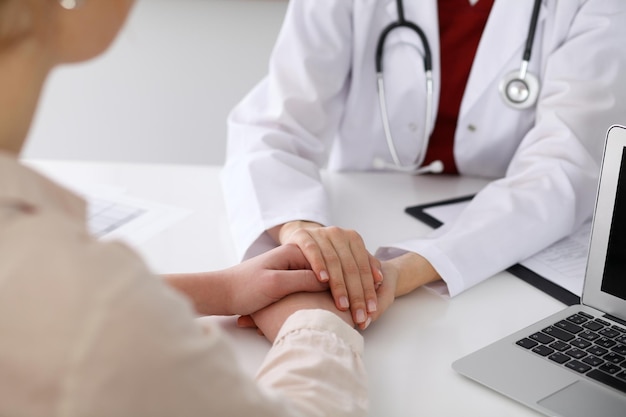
(584, 344)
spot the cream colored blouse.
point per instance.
(87, 330)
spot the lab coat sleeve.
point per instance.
(278, 136)
(550, 185)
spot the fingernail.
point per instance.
(324, 276)
(343, 302)
(381, 274)
(360, 316)
(371, 306)
(378, 285)
(367, 323)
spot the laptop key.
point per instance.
(608, 380)
(606, 342)
(597, 350)
(559, 333)
(588, 335)
(558, 357)
(593, 325)
(618, 328)
(570, 327)
(619, 349)
(610, 333)
(526, 343)
(543, 350)
(542, 338)
(613, 358)
(610, 368)
(560, 346)
(576, 353)
(577, 319)
(589, 316)
(580, 343)
(593, 360)
(578, 366)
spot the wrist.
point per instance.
(282, 233)
(211, 293)
(413, 272)
(271, 319)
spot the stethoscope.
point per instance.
(519, 89)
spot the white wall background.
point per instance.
(164, 89)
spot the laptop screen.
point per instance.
(614, 277)
(605, 279)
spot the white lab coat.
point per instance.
(318, 107)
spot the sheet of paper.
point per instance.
(118, 216)
(563, 263)
(114, 214)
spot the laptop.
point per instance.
(573, 363)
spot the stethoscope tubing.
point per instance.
(428, 60)
(428, 65)
(387, 126)
(522, 77)
(530, 39)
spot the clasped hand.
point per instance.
(338, 256)
(307, 291)
(267, 289)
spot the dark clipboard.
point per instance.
(520, 271)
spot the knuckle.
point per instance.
(337, 285)
(308, 245)
(369, 293)
(351, 269)
(331, 258)
(333, 230)
(299, 235)
(357, 299)
(364, 270)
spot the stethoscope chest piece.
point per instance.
(519, 91)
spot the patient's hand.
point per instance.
(250, 285)
(270, 319)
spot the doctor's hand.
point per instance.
(403, 275)
(339, 257)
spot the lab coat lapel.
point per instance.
(504, 39)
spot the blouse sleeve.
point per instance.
(141, 353)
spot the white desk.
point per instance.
(410, 349)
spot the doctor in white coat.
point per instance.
(319, 107)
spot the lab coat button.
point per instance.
(412, 127)
(471, 128)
